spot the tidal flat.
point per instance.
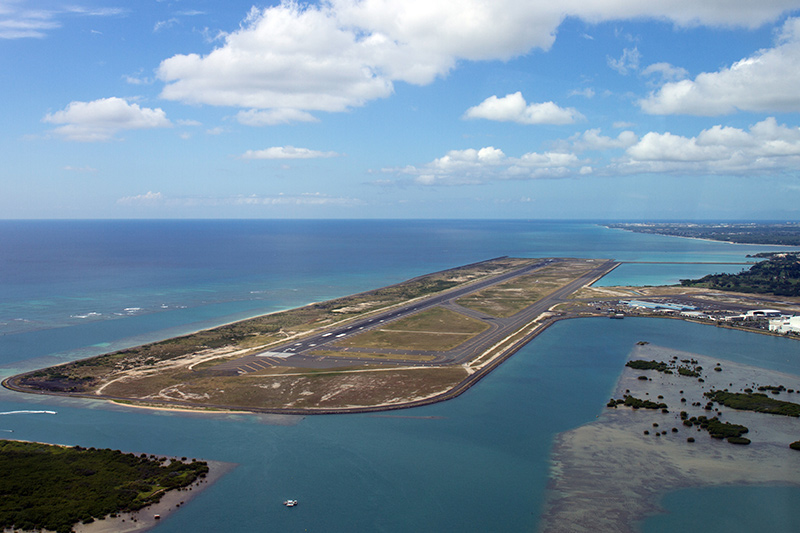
(611, 474)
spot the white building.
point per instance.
(785, 324)
(762, 313)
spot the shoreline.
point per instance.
(144, 519)
(609, 475)
(458, 389)
(706, 239)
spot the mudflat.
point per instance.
(609, 475)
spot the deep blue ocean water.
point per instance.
(73, 289)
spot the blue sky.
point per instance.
(614, 109)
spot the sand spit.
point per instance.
(608, 476)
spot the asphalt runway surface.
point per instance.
(299, 353)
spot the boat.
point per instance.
(290, 503)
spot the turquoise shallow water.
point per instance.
(477, 463)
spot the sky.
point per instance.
(467, 109)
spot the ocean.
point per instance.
(71, 289)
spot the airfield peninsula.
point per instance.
(417, 342)
(421, 341)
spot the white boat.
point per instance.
(290, 503)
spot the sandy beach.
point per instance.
(609, 475)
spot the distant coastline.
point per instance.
(765, 234)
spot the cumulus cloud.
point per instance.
(594, 140)
(471, 167)
(341, 54)
(765, 81)
(766, 146)
(513, 108)
(286, 152)
(100, 120)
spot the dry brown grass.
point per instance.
(508, 298)
(436, 329)
(308, 390)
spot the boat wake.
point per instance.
(29, 413)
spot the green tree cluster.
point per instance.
(56, 487)
(779, 275)
(758, 402)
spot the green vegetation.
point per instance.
(760, 403)
(647, 365)
(787, 234)
(55, 487)
(666, 368)
(717, 429)
(779, 275)
(636, 403)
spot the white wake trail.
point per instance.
(29, 413)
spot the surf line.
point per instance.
(29, 413)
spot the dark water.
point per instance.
(477, 463)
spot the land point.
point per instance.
(424, 340)
(418, 342)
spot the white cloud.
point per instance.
(303, 199)
(513, 108)
(286, 152)
(472, 167)
(149, 198)
(137, 80)
(164, 24)
(767, 146)
(80, 169)
(284, 57)
(341, 54)
(629, 61)
(19, 22)
(593, 140)
(100, 119)
(765, 81)
(271, 117)
(666, 72)
(586, 93)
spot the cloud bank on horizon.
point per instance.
(294, 86)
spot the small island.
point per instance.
(663, 430)
(57, 488)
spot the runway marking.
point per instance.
(279, 355)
